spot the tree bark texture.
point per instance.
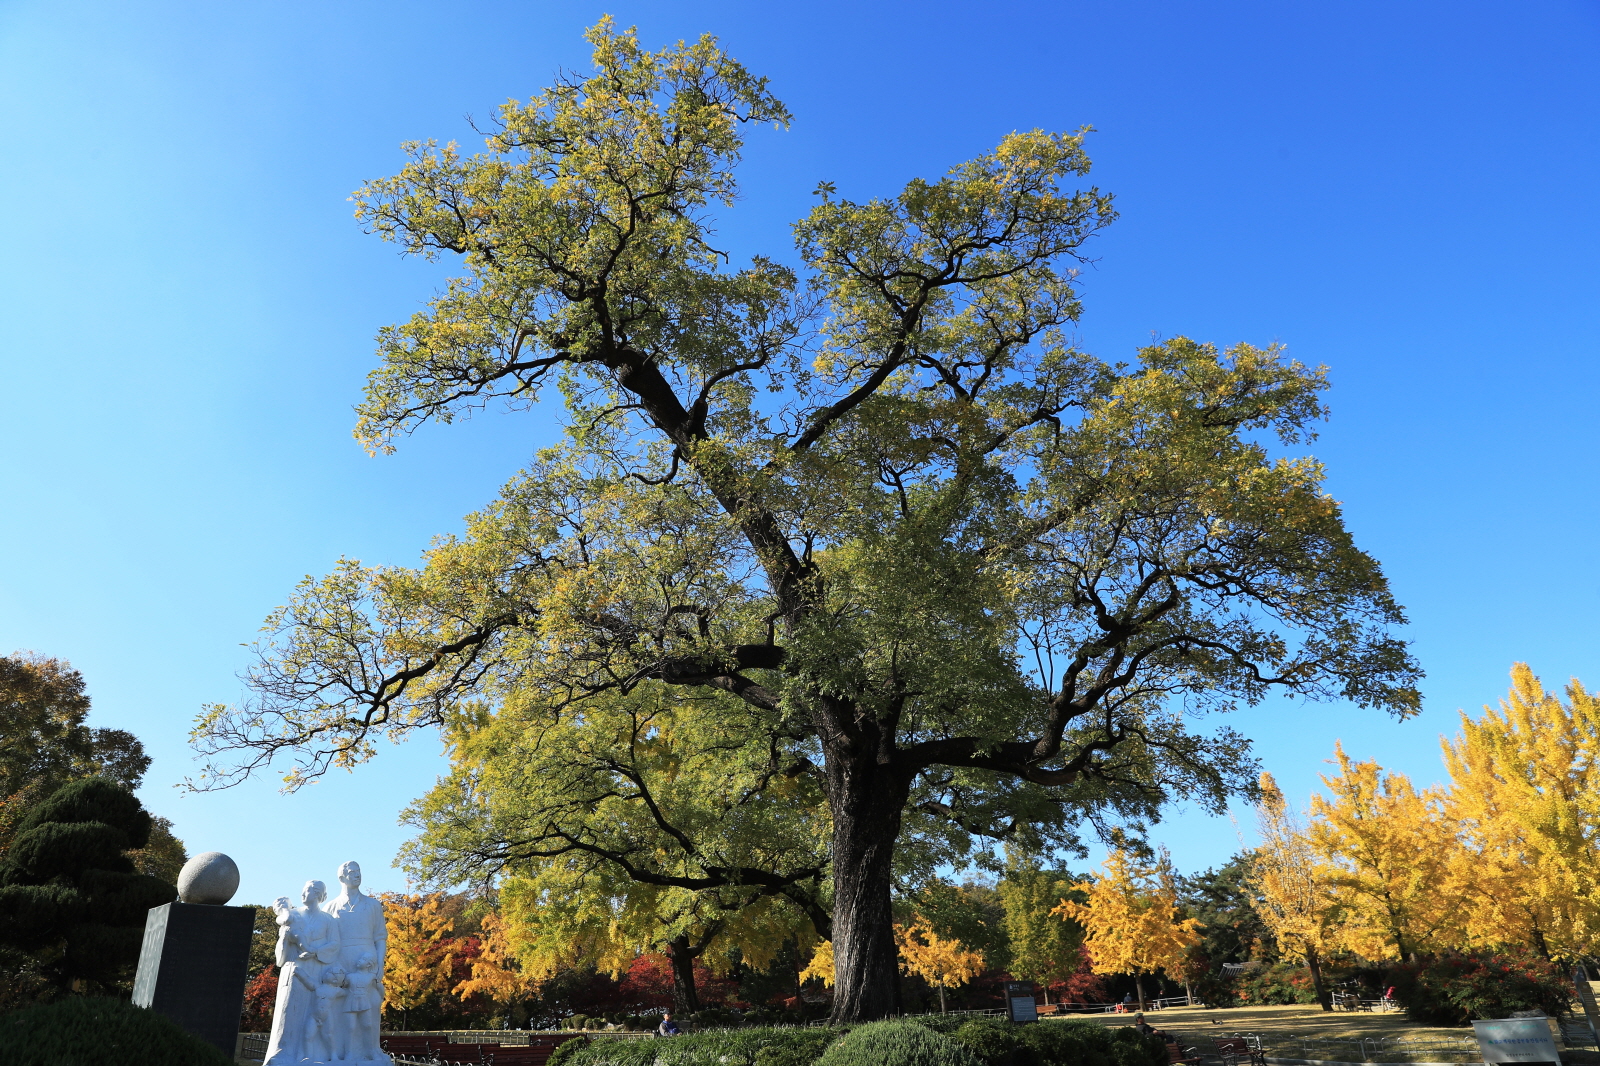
(866, 796)
(1314, 964)
(685, 998)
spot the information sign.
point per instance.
(1019, 1002)
(1516, 1040)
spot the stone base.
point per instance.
(192, 968)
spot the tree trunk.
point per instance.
(1314, 964)
(1138, 983)
(866, 796)
(941, 998)
(685, 1000)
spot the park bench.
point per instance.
(1181, 1055)
(1241, 1048)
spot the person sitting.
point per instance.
(668, 1027)
(1144, 1028)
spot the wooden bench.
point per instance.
(1184, 1055)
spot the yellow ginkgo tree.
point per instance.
(1131, 923)
(418, 963)
(940, 961)
(1524, 798)
(496, 973)
(1292, 890)
(1390, 847)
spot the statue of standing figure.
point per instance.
(308, 941)
(330, 986)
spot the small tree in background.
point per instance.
(1044, 948)
(1131, 922)
(496, 974)
(1293, 891)
(418, 966)
(937, 960)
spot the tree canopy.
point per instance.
(964, 580)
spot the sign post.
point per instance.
(1020, 1006)
(1516, 1040)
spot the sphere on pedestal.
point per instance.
(210, 877)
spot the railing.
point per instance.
(1161, 1003)
(1386, 1048)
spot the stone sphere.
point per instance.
(210, 877)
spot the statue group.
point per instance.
(330, 976)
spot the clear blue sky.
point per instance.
(1404, 191)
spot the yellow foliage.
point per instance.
(1131, 922)
(1525, 798)
(495, 972)
(1293, 890)
(1389, 847)
(417, 965)
(821, 964)
(941, 962)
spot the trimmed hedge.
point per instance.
(93, 1031)
(897, 1044)
(1058, 1043)
(724, 1047)
(931, 1041)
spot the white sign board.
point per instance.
(1024, 1009)
(1516, 1040)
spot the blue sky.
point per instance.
(1404, 191)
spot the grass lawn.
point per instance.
(1281, 1030)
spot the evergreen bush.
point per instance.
(94, 1031)
(900, 1043)
(68, 890)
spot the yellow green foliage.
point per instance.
(965, 580)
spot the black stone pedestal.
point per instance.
(192, 968)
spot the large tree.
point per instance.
(973, 579)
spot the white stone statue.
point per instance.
(361, 1010)
(308, 940)
(325, 1029)
(330, 985)
(362, 927)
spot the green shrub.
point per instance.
(897, 1044)
(1453, 991)
(1079, 1043)
(726, 1047)
(87, 1031)
(995, 1042)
